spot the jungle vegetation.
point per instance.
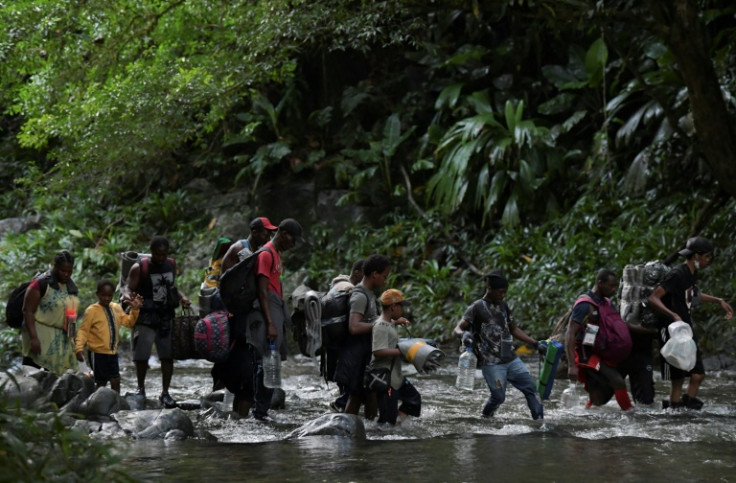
(548, 138)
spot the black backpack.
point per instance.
(335, 308)
(14, 307)
(238, 285)
(335, 316)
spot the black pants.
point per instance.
(638, 366)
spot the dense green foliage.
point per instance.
(29, 453)
(546, 138)
(542, 137)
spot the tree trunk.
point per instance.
(686, 38)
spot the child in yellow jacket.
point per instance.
(100, 332)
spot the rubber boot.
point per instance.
(622, 398)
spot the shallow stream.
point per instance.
(449, 442)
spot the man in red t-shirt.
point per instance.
(272, 307)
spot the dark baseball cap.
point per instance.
(696, 244)
(262, 222)
(292, 227)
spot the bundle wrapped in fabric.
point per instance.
(422, 353)
(306, 317)
(639, 281)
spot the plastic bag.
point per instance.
(680, 351)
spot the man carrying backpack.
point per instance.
(261, 230)
(355, 354)
(594, 368)
(154, 279)
(673, 298)
(331, 354)
(263, 326)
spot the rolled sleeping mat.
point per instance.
(313, 316)
(422, 355)
(549, 368)
(127, 260)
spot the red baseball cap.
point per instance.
(262, 222)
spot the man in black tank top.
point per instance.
(154, 279)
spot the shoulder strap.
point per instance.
(585, 298)
(144, 268)
(43, 283)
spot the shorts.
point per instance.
(597, 383)
(671, 373)
(144, 337)
(104, 366)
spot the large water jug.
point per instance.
(466, 370)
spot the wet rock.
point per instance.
(332, 424)
(175, 435)
(154, 423)
(204, 434)
(19, 388)
(111, 430)
(87, 426)
(72, 407)
(45, 378)
(103, 402)
(71, 388)
(137, 402)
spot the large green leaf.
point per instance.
(448, 96)
(510, 215)
(595, 62)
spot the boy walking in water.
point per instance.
(100, 332)
(386, 355)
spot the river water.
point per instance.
(449, 442)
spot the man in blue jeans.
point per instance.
(489, 326)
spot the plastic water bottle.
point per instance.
(227, 401)
(570, 396)
(272, 368)
(466, 370)
(70, 323)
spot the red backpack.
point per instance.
(212, 336)
(613, 342)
